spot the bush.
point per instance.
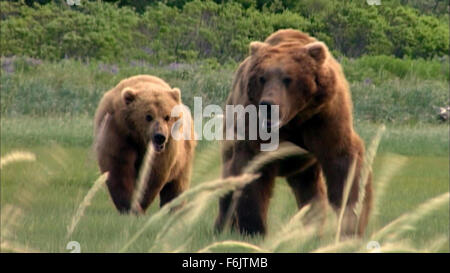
(184, 31)
(416, 36)
(356, 29)
(204, 29)
(53, 32)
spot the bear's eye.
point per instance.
(262, 80)
(287, 81)
(166, 118)
(148, 118)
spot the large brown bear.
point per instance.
(298, 73)
(130, 116)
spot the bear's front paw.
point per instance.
(137, 210)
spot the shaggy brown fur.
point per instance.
(298, 73)
(130, 116)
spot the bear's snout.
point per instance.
(268, 115)
(158, 141)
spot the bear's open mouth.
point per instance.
(158, 147)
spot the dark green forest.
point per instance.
(162, 32)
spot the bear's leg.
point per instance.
(168, 192)
(155, 184)
(120, 185)
(336, 170)
(224, 205)
(235, 156)
(229, 168)
(367, 206)
(253, 204)
(171, 190)
(117, 158)
(309, 188)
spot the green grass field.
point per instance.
(48, 111)
(413, 159)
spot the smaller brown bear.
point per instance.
(130, 116)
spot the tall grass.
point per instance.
(144, 175)
(377, 69)
(177, 231)
(47, 108)
(294, 231)
(11, 214)
(214, 187)
(85, 203)
(399, 91)
(46, 88)
(345, 194)
(16, 157)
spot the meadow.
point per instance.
(47, 110)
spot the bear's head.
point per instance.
(147, 114)
(292, 75)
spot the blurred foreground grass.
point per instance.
(49, 190)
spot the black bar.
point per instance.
(223, 262)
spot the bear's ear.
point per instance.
(256, 46)
(128, 95)
(176, 94)
(318, 51)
